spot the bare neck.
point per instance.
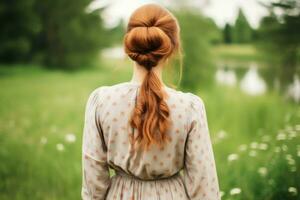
(139, 73)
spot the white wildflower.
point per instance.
(288, 156)
(284, 147)
(243, 147)
(232, 157)
(292, 134)
(70, 137)
(252, 153)
(293, 190)
(266, 138)
(281, 136)
(222, 193)
(221, 134)
(235, 191)
(263, 146)
(288, 128)
(44, 140)
(262, 171)
(60, 147)
(253, 145)
(290, 159)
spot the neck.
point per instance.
(139, 73)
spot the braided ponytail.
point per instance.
(152, 36)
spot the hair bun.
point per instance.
(147, 45)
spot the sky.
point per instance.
(222, 11)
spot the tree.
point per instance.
(227, 34)
(197, 35)
(19, 24)
(53, 33)
(216, 33)
(242, 32)
(278, 38)
(71, 36)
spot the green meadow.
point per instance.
(255, 138)
(53, 54)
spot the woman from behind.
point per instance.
(156, 138)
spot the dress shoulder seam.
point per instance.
(196, 101)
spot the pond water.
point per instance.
(254, 79)
(251, 83)
(294, 89)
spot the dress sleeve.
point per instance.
(199, 172)
(95, 171)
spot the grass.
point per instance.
(39, 107)
(36, 104)
(237, 53)
(254, 123)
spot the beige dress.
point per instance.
(183, 169)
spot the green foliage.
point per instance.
(19, 25)
(279, 41)
(53, 33)
(197, 35)
(227, 33)
(70, 34)
(239, 33)
(216, 33)
(252, 129)
(242, 32)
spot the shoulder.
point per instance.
(197, 110)
(192, 101)
(196, 102)
(104, 90)
(94, 94)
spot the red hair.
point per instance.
(151, 37)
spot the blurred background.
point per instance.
(241, 57)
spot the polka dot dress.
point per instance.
(184, 169)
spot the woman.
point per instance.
(145, 131)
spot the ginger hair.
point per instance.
(152, 36)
